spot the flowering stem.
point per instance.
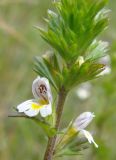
(59, 109)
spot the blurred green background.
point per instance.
(19, 43)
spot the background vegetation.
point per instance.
(19, 43)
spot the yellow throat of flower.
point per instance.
(43, 102)
(36, 106)
(39, 105)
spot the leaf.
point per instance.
(71, 151)
(76, 75)
(96, 50)
(46, 127)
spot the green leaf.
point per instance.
(46, 127)
(96, 50)
(76, 75)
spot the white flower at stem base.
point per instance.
(42, 102)
(81, 123)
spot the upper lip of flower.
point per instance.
(41, 89)
(42, 102)
(82, 122)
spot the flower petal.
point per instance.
(32, 112)
(41, 89)
(89, 137)
(46, 110)
(106, 71)
(24, 105)
(83, 120)
(28, 109)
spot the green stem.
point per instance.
(59, 109)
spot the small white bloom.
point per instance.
(106, 71)
(42, 102)
(89, 137)
(83, 120)
(84, 91)
(81, 123)
(102, 14)
(107, 61)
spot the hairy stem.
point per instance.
(51, 142)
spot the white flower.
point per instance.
(84, 91)
(83, 120)
(107, 61)
(102, 14)
(106, 71)
(42, 102)
(81, 123)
